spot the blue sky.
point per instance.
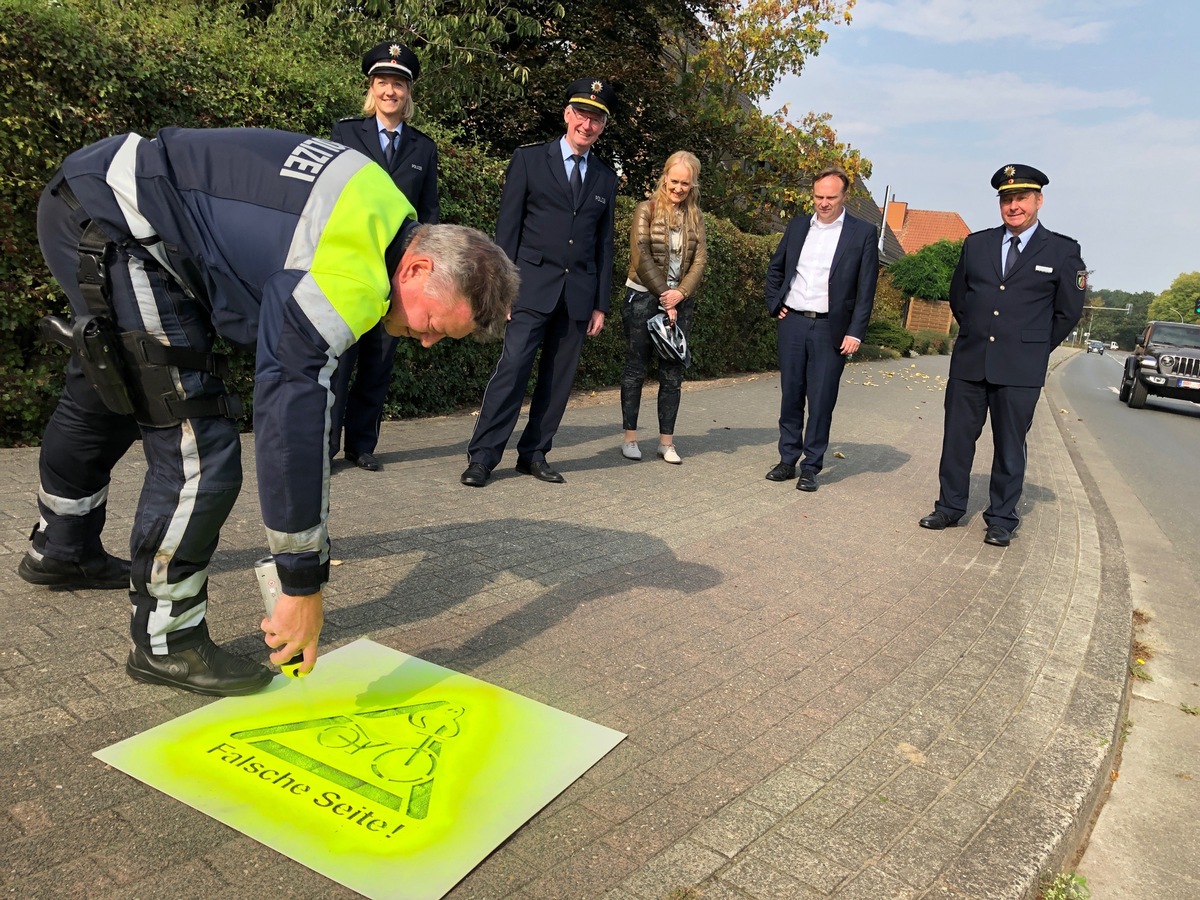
(1101, 95)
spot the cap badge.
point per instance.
(394, 51)
(596, 86)
(1010, 171)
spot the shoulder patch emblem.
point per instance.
(1081, 280)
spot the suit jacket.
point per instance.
(1008, 326)
(414, 167)
(554, 244)
(852, 277)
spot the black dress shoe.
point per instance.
(808, 481)
(937, 520)
(540, 469)
(102, 574)
(782, 472)
(204, 669)
(476, 475)
(997, 536)
(364, 461)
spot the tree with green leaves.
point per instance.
(1178, 302)
(688, 75)
(759, 166)
(927, 272)
(463, 46)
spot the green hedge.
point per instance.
(888, 334)
(74, 71)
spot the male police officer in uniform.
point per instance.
(1016, 294)
(410, 158)
(293, 245)
(556, 223)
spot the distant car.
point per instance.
(1112, 346)
(1095, 347)
(1165, 363)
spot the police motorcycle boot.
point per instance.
(203, 669)
(102, 573)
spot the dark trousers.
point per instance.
(561, 341)
(364, 374)
(968, 405)
(810, 371)
(639, 308)
(194, 469)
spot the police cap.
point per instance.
(1018, 177)
(391, 58)
(591, 94)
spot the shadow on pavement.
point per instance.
(491, 563)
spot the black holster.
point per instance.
(94, 340)
(131, 371)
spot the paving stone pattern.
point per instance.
(821, 698)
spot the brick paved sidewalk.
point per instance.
(822, 699)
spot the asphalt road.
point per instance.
(1144, 464)
(1156, 450)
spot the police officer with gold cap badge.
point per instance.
(1016, 294)
(383, 133)
(556, 223)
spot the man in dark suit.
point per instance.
(1016, 294)
(556, 223)
(410, 157)
(821, 288)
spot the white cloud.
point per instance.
(873, 99)
(964, 21)
(1113, 124)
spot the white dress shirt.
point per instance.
(810, 287)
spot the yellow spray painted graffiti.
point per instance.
(386, 773)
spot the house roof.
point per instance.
(919, 228)
(863, 207)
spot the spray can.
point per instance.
(268, 584)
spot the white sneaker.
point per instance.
(670, 454)
(630, 450)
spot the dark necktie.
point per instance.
(390, 153)
(1014, 251)
(577, 178)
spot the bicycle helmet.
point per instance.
(667, 338)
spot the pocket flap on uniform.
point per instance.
(530, 255)
(1035, 335)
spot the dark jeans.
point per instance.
(640, 308)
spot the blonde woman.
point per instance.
(410, 157)
(667, 257)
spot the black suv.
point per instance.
(1165, 362)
